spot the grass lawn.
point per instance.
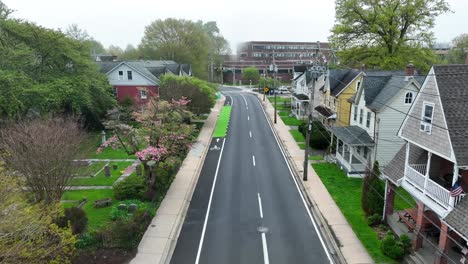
(94, 141)
(279, 99)
(301, 145)
(284, 113)
(406, 202)
(101, 179)
(318, 157)
(347, 194)
(298, 137)
(223, 122)
(97, 217)
(291, 121)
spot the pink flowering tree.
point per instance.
(164, 131)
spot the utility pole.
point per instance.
(275, 69)
(316, 70)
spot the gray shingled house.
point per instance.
(432, 165)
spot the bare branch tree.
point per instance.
(42, 151)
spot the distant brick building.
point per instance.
(286, 54)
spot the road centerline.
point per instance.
(266, 258)
(253, 160)
(250, 133)
(260, 205)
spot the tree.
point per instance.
(201, 94)
(28, 232)
(373, 191)
(74, 32)
(251, 74)
(386, 34)
(55, 74)
(458, 53)
(130, 53)
(115, 50)
(42, 151)
(162, 134)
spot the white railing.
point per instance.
(415, 178)
(438, 193)
(458, 199)
(421, 168)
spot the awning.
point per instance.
(325, 111)
(301, 97)
(353, 135)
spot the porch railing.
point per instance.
(428, 187)
(421, 168)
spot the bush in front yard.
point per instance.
(319, 138)
(395, 249)
(77, 218)
(133, 187)
(373, 220)
(373, 191)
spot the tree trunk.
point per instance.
(150, 177)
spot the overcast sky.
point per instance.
(120, 22)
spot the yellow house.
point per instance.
(340, 85)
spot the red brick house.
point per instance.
(139, 80)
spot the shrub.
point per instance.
(393, 248)
(133, 187)
(373, 191)
(319, 138)
(373, 220)
(116, 214)
(166, 173)
(406, 243)
(77, 218)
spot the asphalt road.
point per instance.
(256, 213)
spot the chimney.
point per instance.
(410, 69)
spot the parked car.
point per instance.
(282, 89)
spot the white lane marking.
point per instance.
(266, 259)
(250, 133)
(247, 104)
(253, 159)
(300, 193)
(260, 205)
(248, 117)
(247, 107)
(209, 205)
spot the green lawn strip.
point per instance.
(93, 141)
(284, 113)
(403, 200)
(291, 121)
(301, 145)
(318, 157)
(279, 99)
(298, 137)
(223, 122)
(346, 192)
(101, 179)
(97, 217)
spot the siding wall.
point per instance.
(438, 141)
(344, 107)
(137, 79)
(389, 122)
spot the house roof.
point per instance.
(452, 81)
(297, 77)
(301, 97)
(325, 111)
(395, 169)
(340, 79)
(300, 68)
(457, 217)
(353, 135)
(151, 69)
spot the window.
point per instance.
(358, 85)
(426, 117)
(361, 113)
(115, 91)
(120, 75)
(355, 113)
(129, 75)
(409, 98)
(143, 94)
(368, 119)
(365, 152)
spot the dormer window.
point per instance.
(409, 98)
(426, 117)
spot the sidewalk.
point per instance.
(160, 238)
(351, 248)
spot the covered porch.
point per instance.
(300, 105)
(327, 115)
(354, 148)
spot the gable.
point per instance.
(137, 77)
(438, 141)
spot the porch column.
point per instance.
(444, 244)
(350, 158)
(331, 142)
(343, 150)
(428, 169)
(454, 180)
(389, 198)
(418, 240)
(406, 158)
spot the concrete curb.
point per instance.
(343, 242)
(158, 242)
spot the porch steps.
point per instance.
(414, 258)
